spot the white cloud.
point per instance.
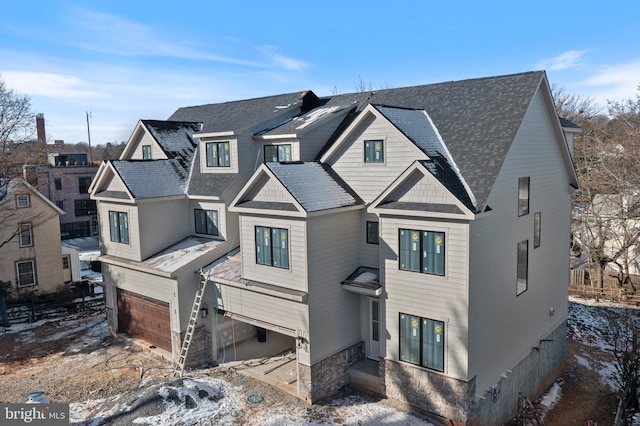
(47, 84)
(281, 61)
(566, 60)
(615, 82)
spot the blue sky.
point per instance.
(129, 60)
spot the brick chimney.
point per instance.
(42, 136)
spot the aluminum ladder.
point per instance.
(197, 302)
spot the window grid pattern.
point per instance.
(272, 247)
(25, 234)
(422, 251)
(217, 154)
(422, 341)
(26, 273)
(85, 207)
(23, 201)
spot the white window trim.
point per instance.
(233, 156)
(29, 228)
(33, 273)
(23, 204)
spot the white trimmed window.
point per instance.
(277, 153)
(25, 234)
(23, 201)
(26, 273)
(119, 227)
(146, 152)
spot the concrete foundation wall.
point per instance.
(328, 376)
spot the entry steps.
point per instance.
(364, 375)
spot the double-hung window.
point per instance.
(277, 153)
(272, 246)
(217, 154)
(26, 273)
(374, 151)
(206, 222)
(146, 152)
(422, 251)
(523, 196)
(522, 280)
(26, 235)
(422, 341)
(119, 227)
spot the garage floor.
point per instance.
(272, 361)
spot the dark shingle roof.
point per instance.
(174, 137)
(477, 119)
(314, 185)
(229, 116)
(208, 184)
(152, 178)
(415, 125)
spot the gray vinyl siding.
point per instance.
(221, 208)
(369, 253)
(270, 309)
(429, 296)
(156, 151)
(272, 190)
(333, 243)
(500, 341)
(115, 184)
(166, 215)
(349, 163)
(295, 277)
(314, 140)
(130, 250)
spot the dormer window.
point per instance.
(374, 151)
(218, 154)
(146, 152)
(277, 153)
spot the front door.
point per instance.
(374, 329)
(66, 268)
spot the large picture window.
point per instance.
(374, 151)
(277, 153)
(272, 246)
(422, 341)
(26, 273)
(218, 154)
(206, 222)
(119, 227)
(422, 251)
(522, 267)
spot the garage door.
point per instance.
(144, 318)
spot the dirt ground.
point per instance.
(81, 364)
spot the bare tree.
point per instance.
(17, 123)
(607, 207)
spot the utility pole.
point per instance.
(89, 137)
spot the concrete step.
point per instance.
(364, 376)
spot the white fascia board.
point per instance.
(225, 134)
(421, 214)
(266, 212)
(126, 153)
(275, 137)
(203, 198)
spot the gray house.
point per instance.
(424, 228)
